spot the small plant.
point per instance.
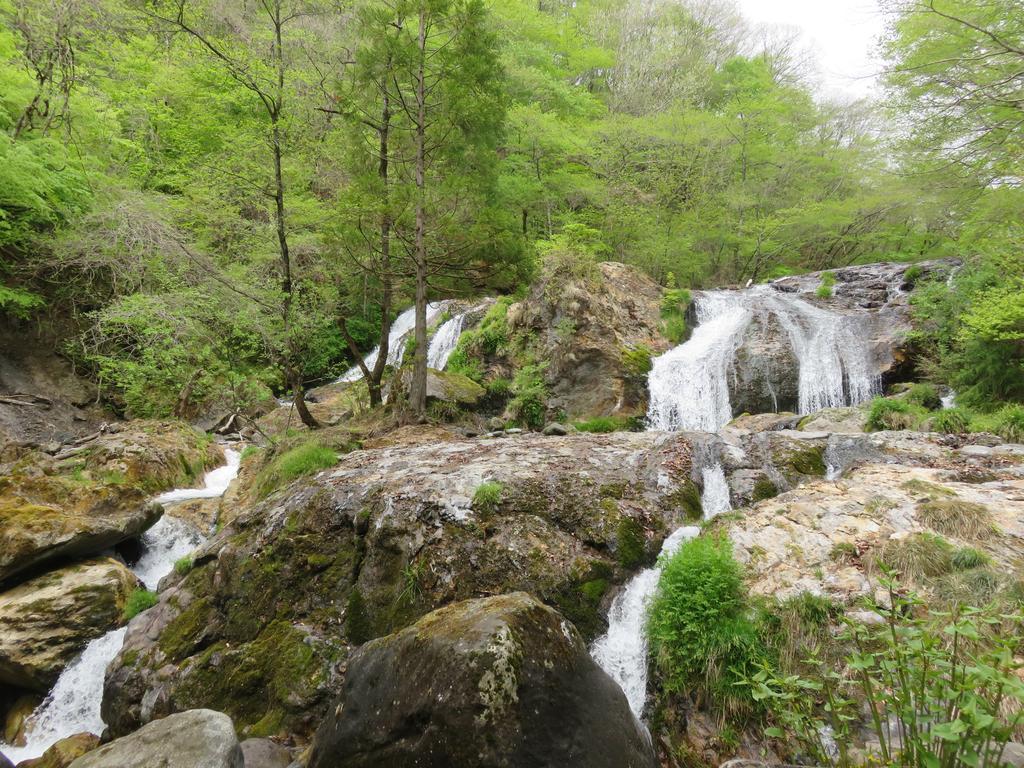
(636, 361)
(938, 695)
(565, 329)
(967, 558)
(298, 462)
(843, 552)
(137, 602)
(603, 425)
(487, 496)
(911, 276)
(955, 517)
(917, 556)
(183, 565)
(951, 421)
(828, 282)
(529, 401)
(1010, 423)
(886, 413)
(673, 314)
(249, 451)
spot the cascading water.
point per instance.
(73, 705)
(398, 339)
(622, 651)
(689, 385)
(445, 340)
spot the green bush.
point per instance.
(704, 640)
(1010, 423)
(529, 396)
(887, 413)
(487, 496)
(137, 602)
(950, 421)
(636, 361)
(958, 698)
(924, 395)
(828, 281)
(298, 462)
(673, 315)
(968, 557)
(912, 275)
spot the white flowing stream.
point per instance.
(446, 337)
(689, 384)
(73, 706)
(622, 651)
(398, 339)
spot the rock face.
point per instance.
(585, 330)
(274, 603)
(46, 622)
(502, 681)
(89, 497)
(199, 738)
(446, 387)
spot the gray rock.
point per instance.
(198, 738)
(556, 429)
(502, 681)
(264, 753)
(1013, 755)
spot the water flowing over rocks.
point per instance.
(196, 739)
(46, 622)
(502, 681)
(281, 594)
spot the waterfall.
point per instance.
(689, 385)
(401, 331)
(622, 650)
(445, 340)
(73, 705)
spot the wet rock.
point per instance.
(502, 681)
(94, 495)
(264, 753)
(47, 621)
(14, 721)
(199, 738)
(64, 752)
(280, 596)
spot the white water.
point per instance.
(622, 651)
(444, 342)
(73, 706)
(398, 339)
(689, 384)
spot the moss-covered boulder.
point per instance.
(47, 621)
(92, 496)
(64, 752)
(262, 624)
(502, 681)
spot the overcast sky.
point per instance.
(842, 34)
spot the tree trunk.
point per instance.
(385, 238)
(418, 390)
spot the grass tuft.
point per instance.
(955, 517)
(137, 602)
(298, 462)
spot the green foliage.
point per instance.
(889, 413)
(138, 601)
(828, 282)
(674, 304)
(528, 405)
(487, 497)
(636, 362)
(950, 421)
(183, 565)
(604, 424)
(302, 460)
(968, 557)
(924, 395)
(19, 302)
(950, 683)
(703, 637)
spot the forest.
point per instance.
(223, 202)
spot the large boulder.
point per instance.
(199, 738)
(46, 622)
(93, 495)
(261, 626)
(497, 682)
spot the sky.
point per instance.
(842, 34)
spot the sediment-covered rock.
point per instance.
(502, 681)
(261, 626)
(47, 621)
(199, 738)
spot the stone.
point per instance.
(446, 387)
(47, 621)
(92, 496)
(14, 723)
(264, 753)
(198, 738)
(1013, 755)
(555, 429)
(502, 681)
(281, 595)
(64, 752)
(5, 763)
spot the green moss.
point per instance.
(630, 541)
(358, 626)
(687, 498)
(920, 487)
(603, 424)
(803, 461)
(184, 632)
(137, 602)
(594, 589)
(764, 489)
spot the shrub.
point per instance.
(673, 314)
(951, 421)
(955, 517)
(298, 462)
(487, 496)
(956, 700)
(924, 395)
(1010, 423)
(703, 638)
(886, 413)
(966, 558)
(183, 565)
(460, 361)
(917, 556)
(499, 387)
(843, 552)
(911, 276)
(137, 602)
(529, 396)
